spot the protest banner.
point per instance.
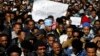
(76, 20)
(42, 9)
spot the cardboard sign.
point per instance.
(42, 9)
(76, 20)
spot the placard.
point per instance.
(76, 20)
(42, 9)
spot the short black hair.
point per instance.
(96, 21)
(63, 17)
(91, 45)
(39, 43)
(16, 24)
(27, 22)
(80, 32)
(50, 16)
(50, 35)
(41, 20)
(70, 28)
(58, 44)
(27, 45)
(12, 49)
(77, 44)
(3, 34)
(59, 21)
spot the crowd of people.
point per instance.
(20, 35)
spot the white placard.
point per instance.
(42, 9)
(76, 20)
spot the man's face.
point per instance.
(41, 50)
(48, 28)
(14, 54)
(90, 7)
(30, 25)
(60, 27)
(3, 41)
(41, 23)
(56, 48)
(86, 30)
(50, 40)
(69, 32)
(97, 24)
(93, 14)
(22, 36)
(8, 16)
(91, 52)
(17, 28)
